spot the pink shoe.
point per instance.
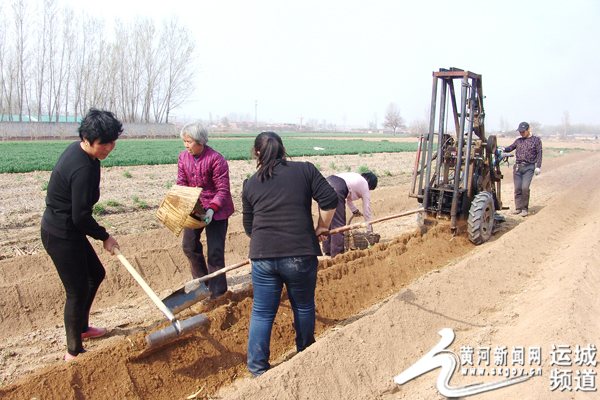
(69, 357)
(93, 333)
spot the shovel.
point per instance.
(195, 290)
(177, 328)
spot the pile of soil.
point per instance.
(378, 310)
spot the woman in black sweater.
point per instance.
(73, 190)
(284, 244)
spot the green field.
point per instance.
(42, 155)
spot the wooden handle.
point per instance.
(193, 284)
(165, 310)
(365, 224)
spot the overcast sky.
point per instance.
(345, 61)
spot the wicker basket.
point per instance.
(356, 240)
(178, 207)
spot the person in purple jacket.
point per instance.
(528, 163)
(201, 166)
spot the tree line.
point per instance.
(56, 62)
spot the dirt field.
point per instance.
(378, 311)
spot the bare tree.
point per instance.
(566, 124)
(324, 124)
(504, 125)
(43, 35)
(5, 106)
(179, 71)
(59, 63)
(54, 62)
(373, 125)
(393, 120)
(535, 127)
(69, 47)
(418, 127)
(22, 53)
(151, 66)
(312, 124)
(225, 122)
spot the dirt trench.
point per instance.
(215, 355)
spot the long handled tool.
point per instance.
(195, 290)
(367, 223)
(177, 328)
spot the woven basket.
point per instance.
(359, 240)
(177, 209)
(356, 240)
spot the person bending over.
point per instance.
(349, 186)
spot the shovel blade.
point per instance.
(169, 334)
(180, 300)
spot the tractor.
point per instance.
(457, 171)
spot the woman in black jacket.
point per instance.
(73, 190)
(284, 244)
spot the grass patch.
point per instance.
(22, 156)
(362, 169)
(98, 209)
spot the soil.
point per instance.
(379, 310)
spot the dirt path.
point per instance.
(379, 310)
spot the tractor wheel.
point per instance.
(481, 218)
(492, 145)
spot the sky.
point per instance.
(345, 61)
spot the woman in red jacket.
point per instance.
(201, 166)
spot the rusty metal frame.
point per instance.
(468, 119)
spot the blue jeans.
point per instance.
(268, 276)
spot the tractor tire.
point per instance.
(481, 218)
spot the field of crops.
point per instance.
(42, 155)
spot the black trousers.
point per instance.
(81, 273)
(334, 244)
(216, 232)
(522, 176)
